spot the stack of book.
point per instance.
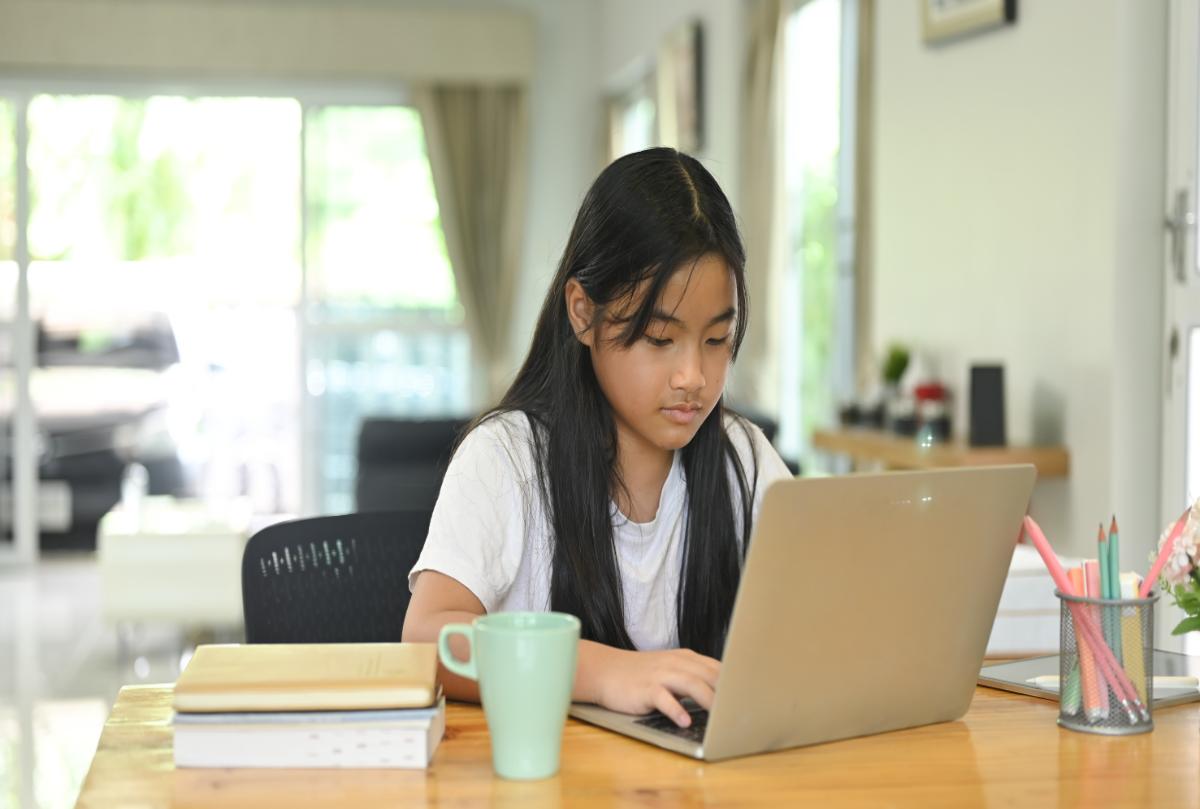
(309, 705)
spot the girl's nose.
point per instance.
(689, 374)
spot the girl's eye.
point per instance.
(718, 341)
(657, 343)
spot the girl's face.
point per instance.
(665, 385)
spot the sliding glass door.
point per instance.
(219, 289)
(383, 328)
(8, 314)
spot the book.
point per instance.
(403, 739)
(230, 678)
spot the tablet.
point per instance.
(1019, 676)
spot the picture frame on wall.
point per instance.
(680, 79)
(951, 19)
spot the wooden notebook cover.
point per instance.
(308, 677)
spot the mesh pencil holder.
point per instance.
(1106, 664)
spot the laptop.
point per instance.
(865, 606)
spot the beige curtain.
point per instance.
(762, 199)
(477, 137)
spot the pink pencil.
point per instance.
(1089, 671)
(1163, 555)
(1103, 654)
(1108, 666)
(1091, 589)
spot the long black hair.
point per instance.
(645, 216)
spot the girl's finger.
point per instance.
(666, 703)
(687, 685)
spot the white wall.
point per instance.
(566, 148)
(1017, 200)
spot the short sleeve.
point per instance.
(477, 532)
(760, 460)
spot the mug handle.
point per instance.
(462, 669)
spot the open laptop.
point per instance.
(865, 605)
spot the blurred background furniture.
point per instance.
(103, 397)
(401, 462)
(173, 560)
(337, 579)
(1027, 619)
(768, 425)
(899, 452)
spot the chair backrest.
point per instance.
(336, 579)
(401, 461)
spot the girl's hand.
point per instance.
(638, 682)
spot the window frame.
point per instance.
(309, 95)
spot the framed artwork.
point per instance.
(680, 79)
(949, 19)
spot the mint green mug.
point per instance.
(525, 665)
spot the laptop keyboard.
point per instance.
(693, 732)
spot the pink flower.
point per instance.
(1178, 567)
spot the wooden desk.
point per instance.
(900, 452)
(1007, 751)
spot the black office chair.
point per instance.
(336, 579)
(401, 462)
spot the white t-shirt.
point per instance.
(490, 531)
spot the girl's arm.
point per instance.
(621, 680)
(438, 600)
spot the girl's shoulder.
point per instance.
(747, 438)
(503, 438)
(758, 457)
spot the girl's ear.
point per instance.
(580, 311)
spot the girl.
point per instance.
(610, 483)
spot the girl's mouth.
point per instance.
(681, 414)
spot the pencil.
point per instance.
(1102, 591)
(1129, 699)
(1089, 673)
(1131, 634)
(1163, 555)
(1114, 587)
(1091, 583)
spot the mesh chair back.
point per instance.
(336, 579)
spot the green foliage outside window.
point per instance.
(122, 179)
(817, 260)
(374, 231)
(8, 182)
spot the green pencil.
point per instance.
(1114, 583)
(1106, 623)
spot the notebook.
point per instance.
(403, 739)
(226, 678)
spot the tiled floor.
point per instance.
(61, 666)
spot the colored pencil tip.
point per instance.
(1101, 534)
(1113, 528)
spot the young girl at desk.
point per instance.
(610, 483)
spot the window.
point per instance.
(373, 215)
(164, 274)
(384, 326)
(818, 125)
(8, 181)
(8, 293)
(221, 287)
(633, 119)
